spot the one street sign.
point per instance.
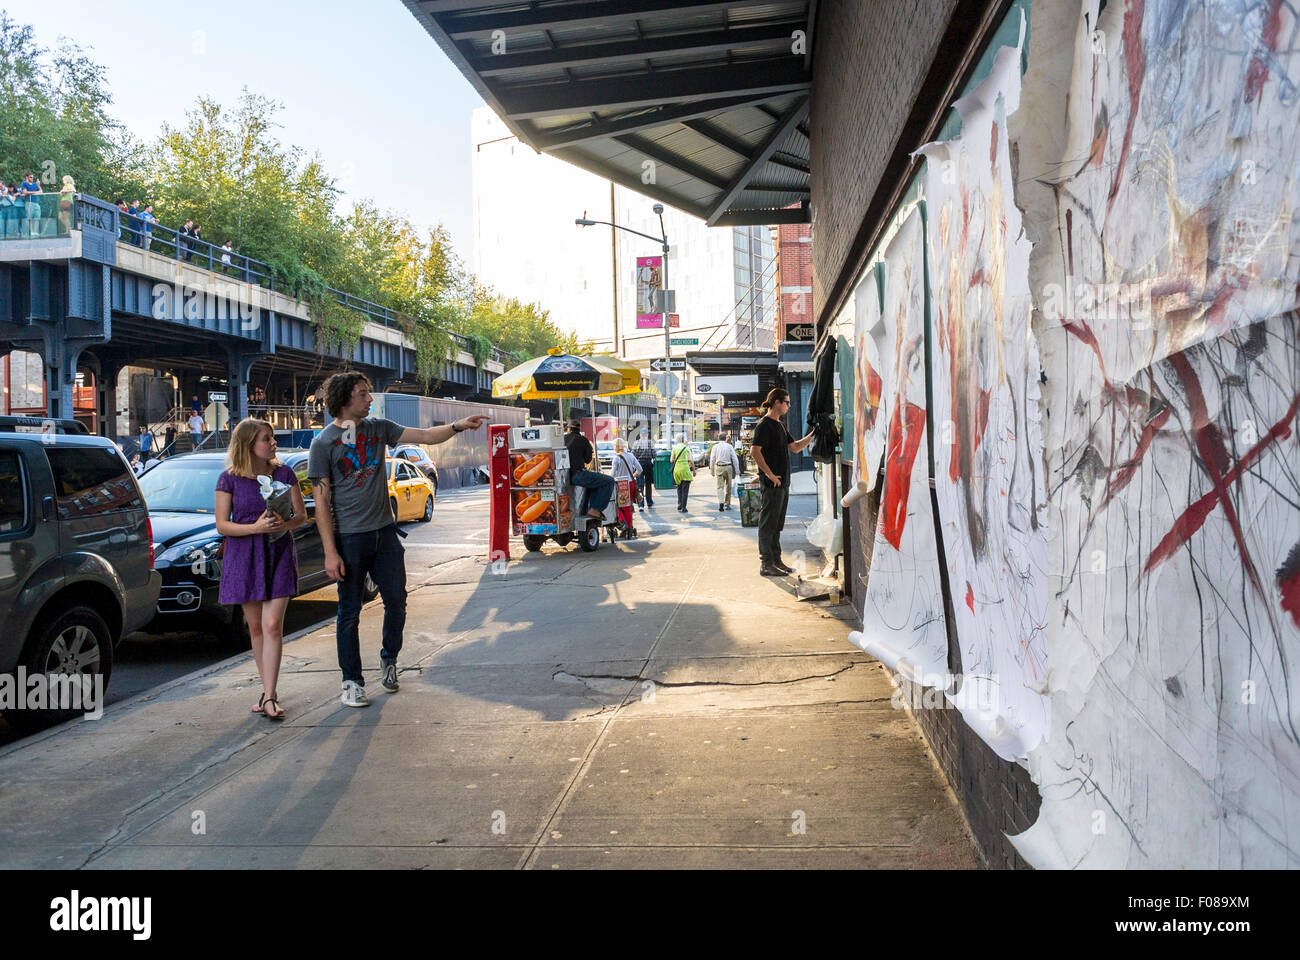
(678, 363)
(684, 341)
(216, 396)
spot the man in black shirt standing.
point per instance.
(771, 447)
(601, 485)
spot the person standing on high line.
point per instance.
(771, 448)
(348, 468)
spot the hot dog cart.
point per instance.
(543, 502)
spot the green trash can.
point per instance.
(751, 504)
(663, 471)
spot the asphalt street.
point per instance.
(145, 660)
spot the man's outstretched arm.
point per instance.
(434, 435)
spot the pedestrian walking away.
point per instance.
(259, 565)
(644, 451)
(725, 467)
(771, 448)
(600, 486)
(682, 474)
(347, 465)
(626, 467)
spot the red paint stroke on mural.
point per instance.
(904, 442)
(1288, 581)
(875, 386)
(1121, 479)
(1257, 73)
(1136, 61)
(970, 598)
(1191, 519)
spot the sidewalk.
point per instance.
(653, 704)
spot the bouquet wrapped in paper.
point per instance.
(279, 500)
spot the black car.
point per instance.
(76, 568)
(180, 493)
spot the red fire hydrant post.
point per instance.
(499, 516)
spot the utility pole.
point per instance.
(668, 348)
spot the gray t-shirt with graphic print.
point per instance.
(357, 472)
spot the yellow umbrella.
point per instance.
(630, 375)
(557, 376)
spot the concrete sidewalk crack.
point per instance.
(579, 677)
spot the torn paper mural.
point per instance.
(903, 618)
(1158, 175)
(988, 447)
(870, 414)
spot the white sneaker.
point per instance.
(354, 695)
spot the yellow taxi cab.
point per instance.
(410, 492)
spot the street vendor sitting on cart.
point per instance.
(601, 485)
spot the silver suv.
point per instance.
(76, 557)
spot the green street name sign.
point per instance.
(684, 341)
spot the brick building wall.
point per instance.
(874, 67)
(794, 274)
(870, 62)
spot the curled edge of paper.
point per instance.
(855, 494)
(1002, 735)
(887, 655)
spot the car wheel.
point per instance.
(371, 589)
(589, 539)
(392, 502)
(74, 642)
(563, 539)
(428, 509)
(533, 542)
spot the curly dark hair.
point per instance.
(338, 389)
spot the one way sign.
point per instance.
(658, 365)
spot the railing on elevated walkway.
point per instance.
(54, 215)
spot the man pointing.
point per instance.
(348, 467)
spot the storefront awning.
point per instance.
(703, 106)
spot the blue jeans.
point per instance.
(380, 554)
(601, 486)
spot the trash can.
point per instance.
(663, 471)
(751, 503)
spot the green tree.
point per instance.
(54, 117)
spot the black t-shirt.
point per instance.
(579, 448)
(774, 440)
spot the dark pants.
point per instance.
(647, 487)
(600, 487)
(771, 519)
(380, 554)
(683, 491)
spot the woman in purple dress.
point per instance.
(258, 572)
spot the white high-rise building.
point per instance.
(526, 245)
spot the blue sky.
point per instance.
(361, 83)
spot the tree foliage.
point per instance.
(226, 169)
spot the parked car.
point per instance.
(179, 493)
(605, 455)
(699, 452)
(410, 492)
(76, 564)
(421, 458)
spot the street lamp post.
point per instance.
(663, 242)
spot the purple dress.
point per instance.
(255, 567)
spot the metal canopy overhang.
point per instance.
(707, 101)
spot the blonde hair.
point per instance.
(620, 444)
(239, 460)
